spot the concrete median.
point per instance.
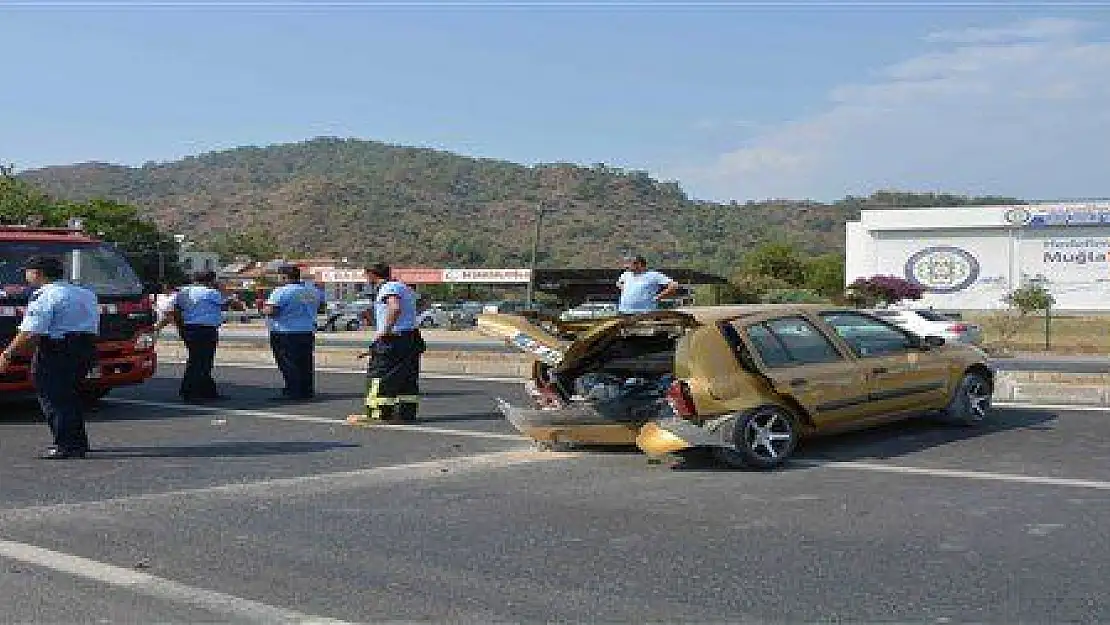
(1042, 387)
(461, 362)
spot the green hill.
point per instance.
(364, 199)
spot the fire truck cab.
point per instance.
(125, 346)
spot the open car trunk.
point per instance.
(600, 388)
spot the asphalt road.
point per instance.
(259, 511)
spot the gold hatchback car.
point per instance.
(746, 381)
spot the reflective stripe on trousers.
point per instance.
(386, 408)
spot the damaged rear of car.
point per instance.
(639, 380)
(747, 382)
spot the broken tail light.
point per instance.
(678, 396)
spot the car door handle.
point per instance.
(799, 382)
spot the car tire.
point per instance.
(971, 402)
(747, 450)
(427, 322)
(352, 325)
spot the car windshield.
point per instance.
(97, 267)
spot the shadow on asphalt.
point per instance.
(886, 441)
(220, 450)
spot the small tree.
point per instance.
(776, 260)
(825, 275)
(1021, 304)
(1031, 298)
(791, 296)
(882, 291)
(746, 288)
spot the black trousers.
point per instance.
(200, 343)
(59, 368)
(294, 353)
(393, 377)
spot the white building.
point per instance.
(193, 261)
(969, 258)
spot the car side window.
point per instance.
(866, 335)
(791, 341)
(771, 351)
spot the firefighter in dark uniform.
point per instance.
(393, 387)
(61, 325)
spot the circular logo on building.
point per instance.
(942, 269)
(1018, 216)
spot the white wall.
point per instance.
(980, 256)
(199, 261)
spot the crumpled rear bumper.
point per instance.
(672, 434)
(577, 424)
(583, 424)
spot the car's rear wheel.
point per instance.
(763, 438)
(971, 402)
(352, 325)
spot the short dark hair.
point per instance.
(379, 269)
(50, 266)
(292, 272)
(204, 277)
(635, 258)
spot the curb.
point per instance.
(1016, 387)
(1077, 389)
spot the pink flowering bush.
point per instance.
(882, 290)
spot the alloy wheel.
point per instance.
(768, 435)
(978, 398)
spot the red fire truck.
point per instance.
(125, 347)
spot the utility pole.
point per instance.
(535, 247)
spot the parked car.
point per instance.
(747, 382)
(350, 316)
(931, 323)
(590, 310)
(435, 316)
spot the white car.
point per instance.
(931, 323)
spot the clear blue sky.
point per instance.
(737, 102)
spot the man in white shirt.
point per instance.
(164, 300)
(641, 289)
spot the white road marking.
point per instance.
(352, 371)
(278, 416)
(153, 586)
(956, 473)
(284, 488)
(1061, 407)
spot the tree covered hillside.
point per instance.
(364, 199)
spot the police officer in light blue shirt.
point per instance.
(61, 324)
(197, 310)
(641, 290)
(291, 310)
